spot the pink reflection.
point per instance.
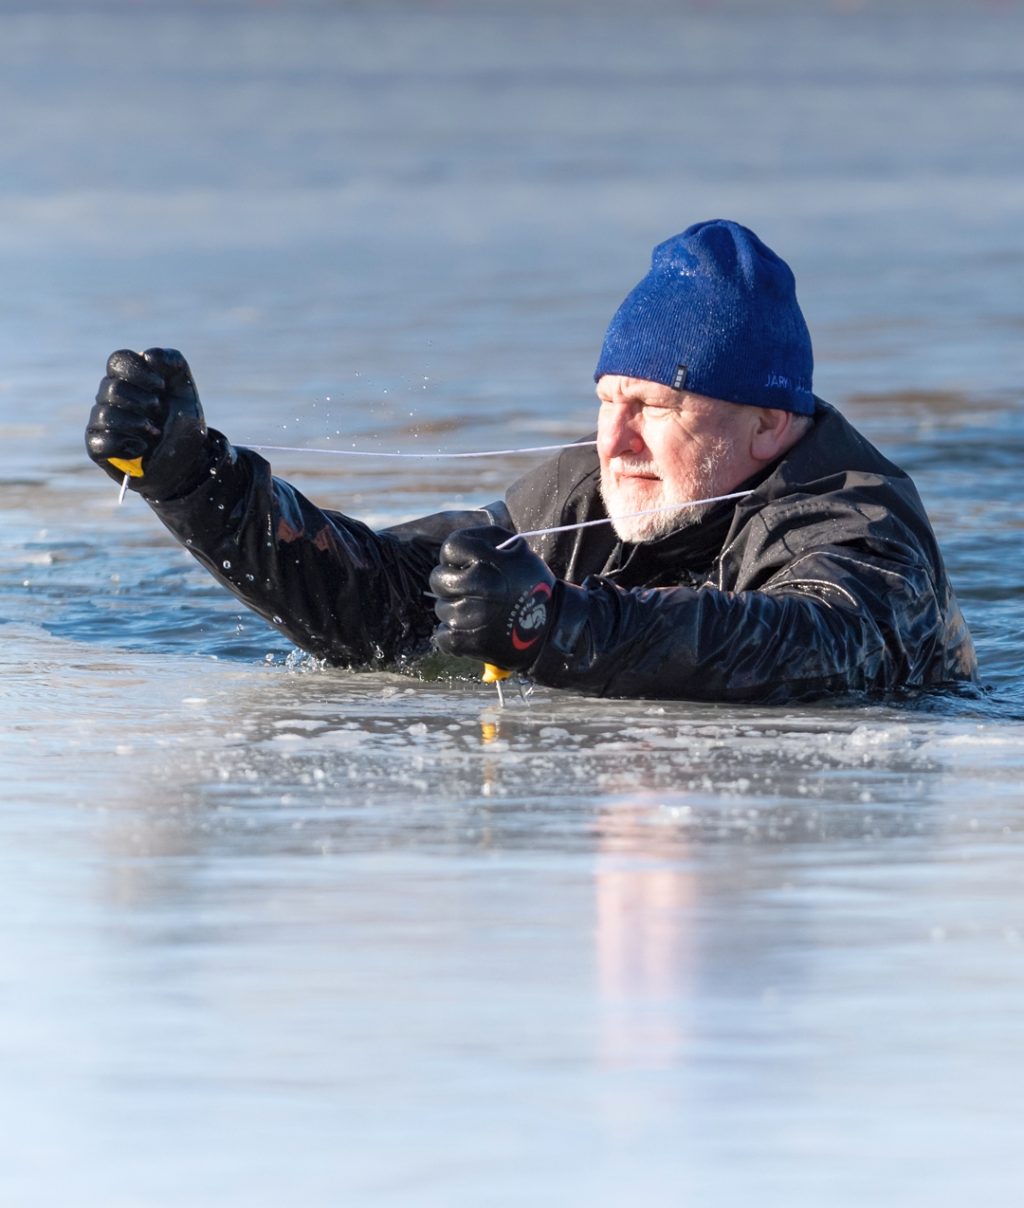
(644, 937)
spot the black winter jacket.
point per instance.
(827, 579)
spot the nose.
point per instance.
(620, 429)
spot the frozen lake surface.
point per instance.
(277, 934)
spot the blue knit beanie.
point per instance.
(716, 315)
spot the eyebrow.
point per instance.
(669, 405)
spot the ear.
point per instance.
(772, 434)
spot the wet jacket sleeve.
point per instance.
(329, 583)
(838, 619)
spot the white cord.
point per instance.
(558, 528)
(576, 444)
(668, 507)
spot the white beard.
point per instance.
(672, 500)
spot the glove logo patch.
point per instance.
(529, 616)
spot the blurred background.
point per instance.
(300, 192)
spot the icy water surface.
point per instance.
(273, 934)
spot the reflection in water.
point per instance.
(575, 927)
(645, 937)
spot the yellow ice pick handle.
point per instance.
(132, 466)
(494, 675)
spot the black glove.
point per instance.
(148, 416)
(494, 604)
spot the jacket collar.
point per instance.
(691, 549)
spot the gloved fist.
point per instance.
(148, 416)
(494, 604)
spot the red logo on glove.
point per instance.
(530, 616)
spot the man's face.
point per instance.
(660, 446)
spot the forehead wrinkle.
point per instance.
(647, 394)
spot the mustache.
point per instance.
(634, 465)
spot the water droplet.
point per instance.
(226, 564)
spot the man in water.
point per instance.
(823, 578)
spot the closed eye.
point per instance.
(658, 411)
